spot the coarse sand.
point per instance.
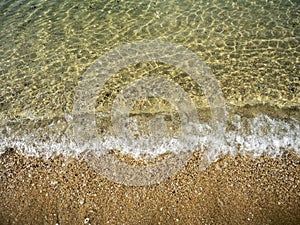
(233, 190)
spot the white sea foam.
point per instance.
(259, 135)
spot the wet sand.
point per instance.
(236, 190)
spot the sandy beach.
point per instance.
(220, 77)
(236, 190)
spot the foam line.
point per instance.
(259, 135)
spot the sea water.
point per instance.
(252, 49)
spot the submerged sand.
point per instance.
(239, 190)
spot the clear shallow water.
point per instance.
(252, 49)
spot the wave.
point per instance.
(256, 136)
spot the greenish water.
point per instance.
(252, 47)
